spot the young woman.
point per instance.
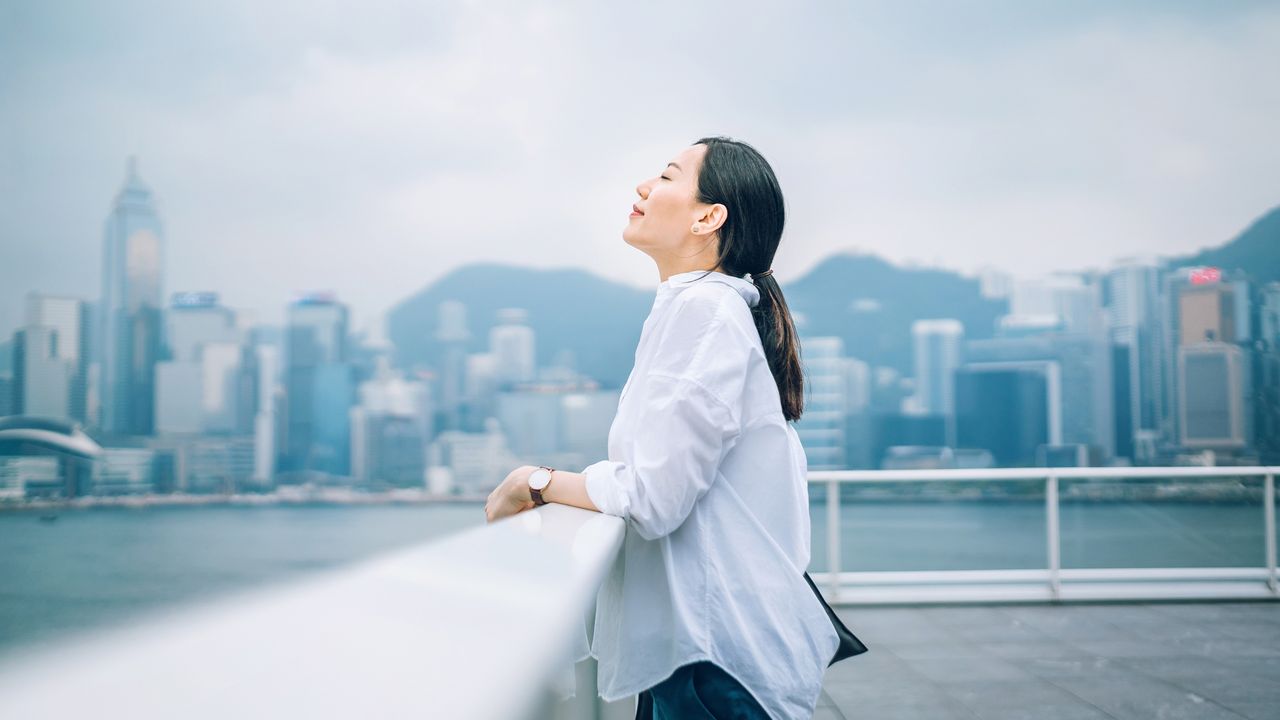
(706, 613)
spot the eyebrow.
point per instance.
(677, 166)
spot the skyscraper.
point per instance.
(320, 386)
(936, 345)
(68, 319)
(198, 388)
(1009, 408)
(1085, 363)
(131, 292)
(1131, 296)
(453, 336)
(821, 427)
(1212, 387)
(42, 380)
(389, 429)
(1200, 304)
(512, 343)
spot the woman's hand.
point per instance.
(511, 496)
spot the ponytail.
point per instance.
(781, 345)
(736, 175)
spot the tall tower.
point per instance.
(319, 386)
(822, 427)
(512, 343)
(454, 337)
(936, 345)
(68, 319)
(1131, 294)
(131, 307)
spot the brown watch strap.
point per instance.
(537, 494)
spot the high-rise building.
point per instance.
(195, 319)
(857, 376)
(265, 418)
(821, 426)
(1206, 313)
(1010, 409)
(1072, 299)
(471, 463)
(69, 320)
(201, 387)
(1266, 376)
(511, 342)
(531, 421)
(42, 380)
(1199, 304)
(453, 336)
(1131, 296)
(480, 392)
(7, 399)
(586, 418)
(320, 386)
(130, 310)
(937, 351)
(179, 398)
(1213, 384)
(1085, 362)
(1269, 316)
(390, 427)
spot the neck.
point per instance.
(667, 269)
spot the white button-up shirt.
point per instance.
(710, 478)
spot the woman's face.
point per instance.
(669, 210)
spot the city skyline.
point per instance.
(374, 155)
(373, 328)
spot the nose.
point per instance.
(643, 189)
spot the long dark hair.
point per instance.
(737, 176)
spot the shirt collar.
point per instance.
(746, 288)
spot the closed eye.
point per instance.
(664, 177)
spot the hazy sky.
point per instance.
(371, 149)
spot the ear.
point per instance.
(712, 218)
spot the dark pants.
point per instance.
(699, 691)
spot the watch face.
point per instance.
(539, 479)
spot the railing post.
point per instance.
(1269, 523)
(1053, 536)
(833, 539)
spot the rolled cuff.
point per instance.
(603, 487)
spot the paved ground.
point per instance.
(1066, 662)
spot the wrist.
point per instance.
(538, 482)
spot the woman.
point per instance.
(706, 613)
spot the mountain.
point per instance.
(870, 304)
(597, 319)
(866, 301)
(1256, 251)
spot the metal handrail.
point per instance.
(1053, 583)
(476, 624)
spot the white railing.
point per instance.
(1053, 582)
(480, 624)
(485, 622)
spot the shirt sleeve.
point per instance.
(682, 433)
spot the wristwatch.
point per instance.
(538, 481)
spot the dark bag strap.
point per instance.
(850, 645)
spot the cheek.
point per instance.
(668, 209)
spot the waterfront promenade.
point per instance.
(1060, 662)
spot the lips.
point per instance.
(635, 209)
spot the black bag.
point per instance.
(850, 645)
